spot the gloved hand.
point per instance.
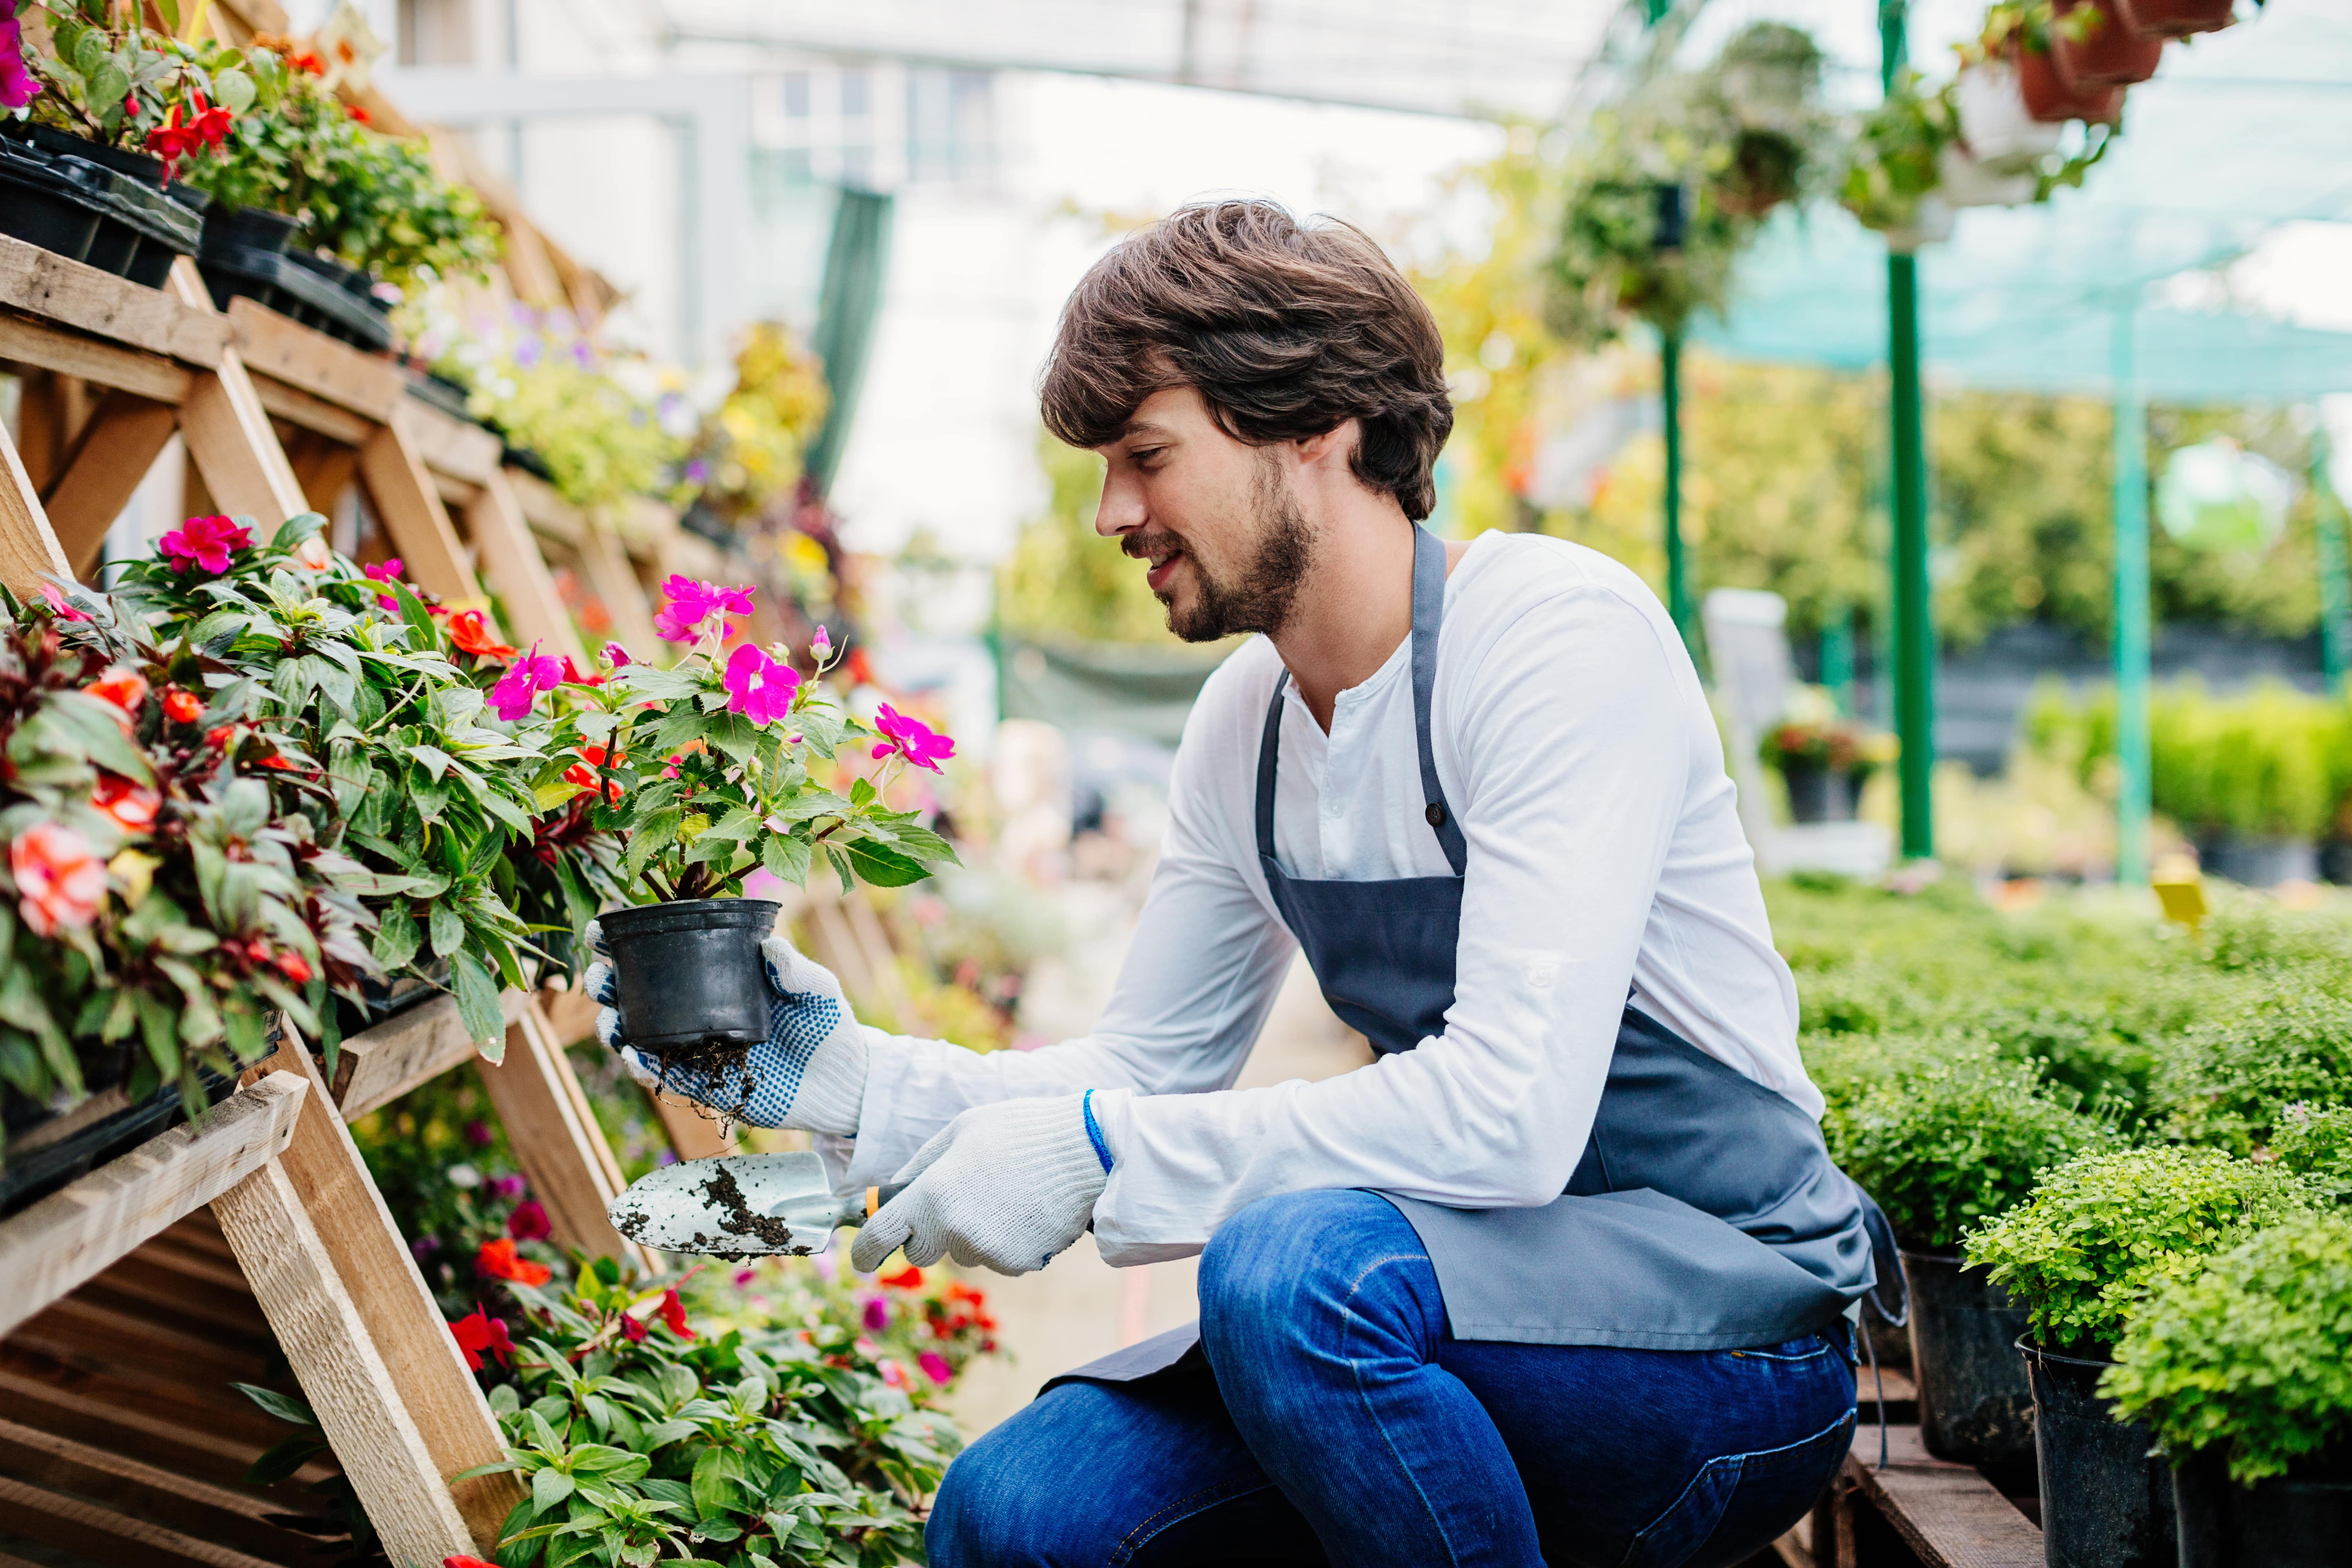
(1008, 1185)
(810, 1074)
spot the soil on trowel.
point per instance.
(735, 1215)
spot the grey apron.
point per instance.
(1706, 1213)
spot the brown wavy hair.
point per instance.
(1286, 329)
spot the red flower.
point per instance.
(181, 707)
(478, 1332)
(126, 689)
(471, 633)
(498, 1259)
(672, 1311)
(60, 881)
(571, 676)
(132, 806)
(282, 764)
(633, 1328)
(459, 1560)
(294, 966)
(204, 541)
(356, 112)
(907, 1278)
(529, 1222)
(220, 737)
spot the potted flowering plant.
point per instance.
(709, 770)
(1823, 756)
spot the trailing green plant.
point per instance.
(2099, 1232)
(154, 901)
(286, 1457)
(2250, 1353)
(640, 1435)
(1893, 153)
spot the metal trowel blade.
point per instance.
(734, 1206)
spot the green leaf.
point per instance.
(448, 930)
(396, 936)
(883, 865)
(549, 1487)
(786, 856)
(283, 1406)
(477, 1004)
(234, 90)
(284, 1459)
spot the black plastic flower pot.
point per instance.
(143, 234)
(54, 203)
(2258, 860)
(1975, 1407)
(1818, 792)
(57, 1150)
(250, 228)
(2336, 861)
(2300, 1520)
(2106, 1502)
(144, 167)
(687, 976)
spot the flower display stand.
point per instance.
(1917, 1511)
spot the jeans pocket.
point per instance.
(1738, 1504)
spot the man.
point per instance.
(1562, 1275)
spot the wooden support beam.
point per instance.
(27, 548)
(159, 321)
(193, 1448)
(300, 409)
(68, 1236)
(40, 418)
(615, 582)
(557, 1138)
(228, 430)
(336, 1201)
(517, 573)
(362, 1403)
(694, 1134)
(336, 374)
(54, 1519)
(120, 444)
(405, 499)
(1947, 1514)
(376, 1066)
(30, 341)
(457, 447)
(324, 468)
(237, 1520)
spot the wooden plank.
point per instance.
(139, 1342)
(324, 468)
(229, 440)
(457, 447)
(339, 1202)
(694, 1134)
(189, 1447)
(299, 409)
(405, 498)
(40, 432)
(49, 1249)
(218, 1410)
(557, 1140)
(547, 510)
(28, 550)
(518, 573)
(615, 581)
(30, 341)
(56, 1519)
(571, 1014)
(41, 283)
(336, 373)
(360, 1401)
(137, 1286)
(376, 1066)
(123, 440)
(237, 1520)
(1947, 1513)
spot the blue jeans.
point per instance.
(1337, 1421)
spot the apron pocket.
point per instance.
(1738, 1504)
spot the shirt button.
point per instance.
(1435, 813)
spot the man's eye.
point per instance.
(1147, 455)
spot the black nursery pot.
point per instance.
(2300, 1520)
(1975, 1406)
(688, 974)
(2106, 1503)
(1818, 792)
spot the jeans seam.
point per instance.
(1738, 1460)
(1138, 1538)
(1350, 1316)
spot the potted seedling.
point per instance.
(2080, 1255)
(720, 765)
(1942, 1147)
(2242, 1369)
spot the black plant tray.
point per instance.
(54, 203)
(281, 282)
(106, 1125)
(390, 998)
(441, 393)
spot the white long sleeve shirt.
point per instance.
(1577, 750)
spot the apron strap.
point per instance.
(1428, 615)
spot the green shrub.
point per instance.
(2222, 1081)
(2251, 1351)
(2316, 1143)
(1944, 1146)
(2101, 1229)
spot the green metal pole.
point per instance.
(1678, 588)
(2334, 566)
(2132, 621)
(1914, 631)
(1837, 658)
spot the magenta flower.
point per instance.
(820, 645)
(935, 1367)
(204, 541)
(617, 656)
(691, 604)
(18, 86)
(757, 686)
(59, 605)
(525, 678)
(877, 1314)
(388, 571)
(911, 739)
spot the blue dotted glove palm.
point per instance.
(810, 1073)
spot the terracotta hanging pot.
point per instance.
(2107, 54)
(2176, 18)
(2052, 102)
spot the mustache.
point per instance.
(1142, 545)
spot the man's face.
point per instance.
(1215, 519)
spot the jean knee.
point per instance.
(975, 1520)
(1283, 1260)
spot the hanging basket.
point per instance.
(2109, 54)
(1965, 182)
(2176, 18)
(1931, 224)
(2052, 102)
(2002, 136)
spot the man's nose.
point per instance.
(1122, 509)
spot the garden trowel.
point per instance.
(737, 1206)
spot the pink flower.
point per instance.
(60, 881)
(204, 541)
(387, 572)
(525, 678)
(911, 739)
(893, 1374)
(935, 1367)
(820, 645)
(529, 1222)
(18, 86)
(877, 1314)
(59, 606)
(691, 604)
(757, 686)
(617, 656)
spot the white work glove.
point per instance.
(1008, 1185)
(810, 1073)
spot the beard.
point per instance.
(1259, 597)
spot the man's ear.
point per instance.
(1337, 444)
